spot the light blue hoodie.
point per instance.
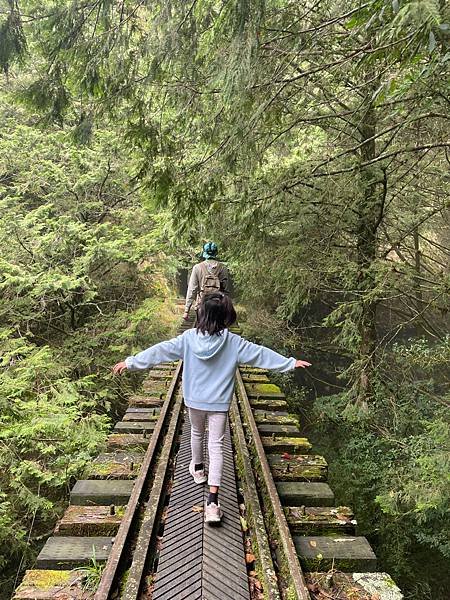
(210, 363)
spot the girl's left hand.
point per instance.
(301, 364)
(119, 368)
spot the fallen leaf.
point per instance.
(249, 558)
(197, 509)
(342, 517)
(164, 515)
(244, 524)
(286, 456)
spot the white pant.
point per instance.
(216, 432)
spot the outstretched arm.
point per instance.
(265, 358)
(159, 353)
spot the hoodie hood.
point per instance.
(205, 346)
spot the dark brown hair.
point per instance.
(216, 312)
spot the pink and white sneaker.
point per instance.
(213, 513)
(199, 476)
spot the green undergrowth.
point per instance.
(388, 461)
(86, 280)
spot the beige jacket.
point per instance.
(195, 281)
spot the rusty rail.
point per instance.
(296, 574)
(270, 581)
(109, 574)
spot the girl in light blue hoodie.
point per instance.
(211, 354)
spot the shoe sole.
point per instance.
(213, 521)
(204, 480)
(200, 482)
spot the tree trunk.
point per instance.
(418, 268)
(370, 207)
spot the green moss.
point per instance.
(156, 388)
(130, 441)
(245, 370)
(265, 388)
(255, 378)
(291, 594)
(276, 420)
(291, 444)
(102, 470)
(47, 579)
(300, 473)
(389, 581)
(123, 581)
(268, 404)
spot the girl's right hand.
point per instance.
(302, 364)
(119, 368)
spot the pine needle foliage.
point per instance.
(13, 45)
(85, 281)
(311, 141)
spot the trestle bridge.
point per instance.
(135, 528)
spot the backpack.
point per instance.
(210, 281)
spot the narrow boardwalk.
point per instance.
(198, 560)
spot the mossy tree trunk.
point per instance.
(369, 215)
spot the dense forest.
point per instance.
(311, 142)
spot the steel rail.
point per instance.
(296, 573)
(137, 570)
(253, 506)
(109, 573)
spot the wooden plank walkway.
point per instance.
(198, 561)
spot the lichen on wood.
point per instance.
(302, 467)
(292, 445)
(90, 521)
(130, 441)
(112, 470)
(262, 388)
(152, 400)
(275, 419)
(49, 584)
(268, 404)
(320, 520)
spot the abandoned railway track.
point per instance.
(135, 529)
